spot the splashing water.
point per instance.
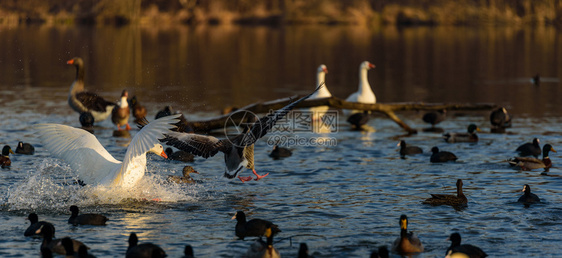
(54, 188)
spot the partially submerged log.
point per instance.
(386, 108)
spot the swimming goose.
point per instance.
(261, 249)
(528, 197)
(528, 163)
(253, 227)
(364, 94)
(407, 242)
(84, 101)
(530, 149)
(239, 150)
(5, 158)
(469, 136)
(36, 224)
(458, 200)
(25, 148)
(93, 164)
(320, 111)
(120, 114)
(470, 250)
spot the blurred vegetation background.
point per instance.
(277, 12)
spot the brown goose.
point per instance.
(239, 150)
(527, 163)
(120, 114)
(448, 199)
(407, 242)
(82, 101)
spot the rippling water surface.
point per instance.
(342, 200)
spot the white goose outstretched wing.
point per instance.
(80, 149)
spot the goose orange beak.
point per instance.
(163, 154)
(71, 61)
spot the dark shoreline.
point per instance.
(280, 12)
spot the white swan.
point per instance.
(91, 161)
(318, 112)
(364, 94)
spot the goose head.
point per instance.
(158, 149)
(366, 65)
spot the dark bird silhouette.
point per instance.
(408, 150)
(280, 152)
(528, 197)
(382, 252)
(181, 126)
(357, 120)
(84, 101)
(145, 250)
(55, 245)
(458, 200)
(25, 148)
(441, 156)
(87, 121)
(469, 136)
(303, 251)
(500, 119)
(238, 150)
(86, 219)
(528, 163)
(139, 111)
(434, 118)
(530, 149)
(469, 250)
(36, 224)
(68, 246)
(188, 252)
(253, 227)
(407, 242)
(5, 158)
(536, 80)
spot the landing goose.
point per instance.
(239, 150)
(93, 164)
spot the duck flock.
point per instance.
(94, 165)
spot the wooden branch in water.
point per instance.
(386, 108)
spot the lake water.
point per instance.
(342, 200)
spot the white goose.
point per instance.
(318, 112)
(93, 164)
(364, 94)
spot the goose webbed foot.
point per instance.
(245, 178)
(258, 177)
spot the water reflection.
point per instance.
(210, 67)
